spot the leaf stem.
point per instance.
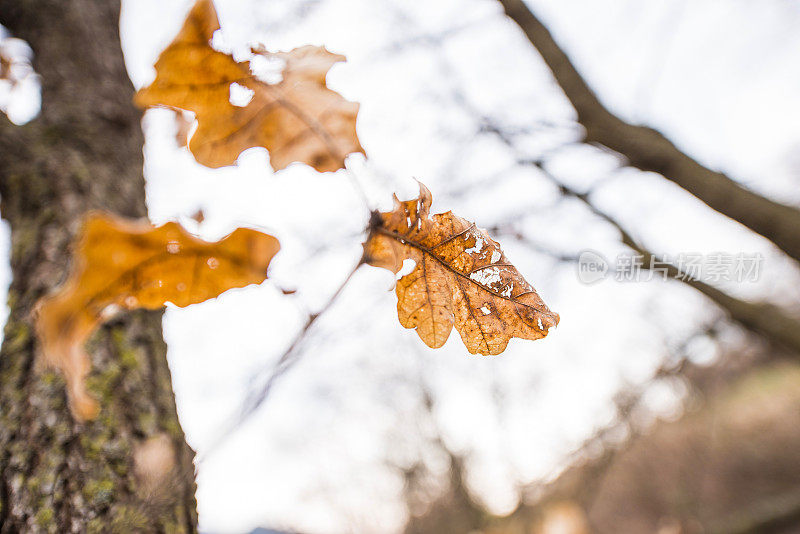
(357, 186)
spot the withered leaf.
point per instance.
(132, 264)
(297, 119)
(461, 278)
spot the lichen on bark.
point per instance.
(83, 152)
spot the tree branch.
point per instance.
(762, 318)
(648, 150)
(772, 515)
(290, 356)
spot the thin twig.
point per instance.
(357, 186)
(764, 319)
(510, 231)
(289, 357)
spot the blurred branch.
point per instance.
(296, 11)
(515, 234)
(648, 150)
(456, 509)
(761, 318)
(776, 514)
(586, 478)
(289, 358)
(433, 39)
(611, 440)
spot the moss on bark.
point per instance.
(83, 152)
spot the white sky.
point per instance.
(719, 77)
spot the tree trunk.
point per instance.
(129, 470)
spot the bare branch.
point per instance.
(256, 397)
(771, 515)
(648, 150)
(761, 318)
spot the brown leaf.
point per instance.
(132, 264)
(297, 119)
(461, 279)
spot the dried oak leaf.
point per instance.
(132, 264)
(297, 119)
(461, 278)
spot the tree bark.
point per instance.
(130, 470)
(648, 150)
